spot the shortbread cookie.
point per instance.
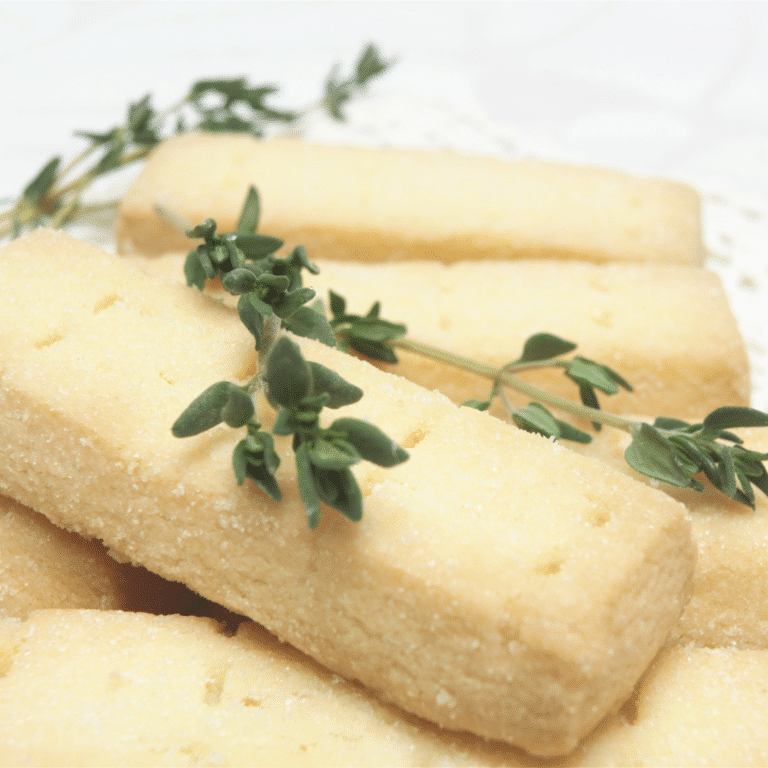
(497, 583)
(394, 204)
(729, 606)
(176, 691)
(684, 356)
(668, 330)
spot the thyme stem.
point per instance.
(506, 376)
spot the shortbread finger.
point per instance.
(176, 691)
(42, 566)
(394, 204)
(668, 330)
(497, 582)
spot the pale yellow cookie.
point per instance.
(43, 566)
(497, 583)
(100, 688)
(668, 330)
(394, 204)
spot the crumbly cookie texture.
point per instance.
(175, 690)
(497, 583)
(668, 330)
(394, 204)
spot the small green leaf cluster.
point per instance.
(366, 334)
(542, 350)
(591, 376)
(587, 374)
(254, 457)
(324, 455)
(675, 451)
(211, 105)
(670, 450)
(339, 91)
(270, 287)
(233, 106)
(271, 294)
(299, 390)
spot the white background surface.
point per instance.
(675, 89)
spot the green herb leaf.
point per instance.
(652, 455)
(569, 432)
(338, 489)
(478, 405)
(43, 181)
(534, 417)
(251, 211)
(289, 302)
(544, 346)
(238, 409)
(288, 377)
(239, 281)
(307, 488)
(307, 322)
(221, 402)
(728, 417)
(727, 468)
(337, 303)
(257, 246)
(370, 442)
(369, 65)
(591, 374)
(206, 229)
(255, 458)
(299, 260)
(336, 454)
(194, 271)
(367, 334)
(340, 391)
(665, 422)
(253, 313)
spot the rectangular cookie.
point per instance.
(668, 330)
(497, 583)
(395, 204)
(683, 355)
(177, 691)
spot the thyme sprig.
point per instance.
(367, 334)
(55, 195)
(669, 450)
(272, 297)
